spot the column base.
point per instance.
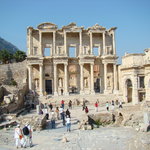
(115, 91)
(82, 93)
(66, 93)
(92, 92)
(55, 94)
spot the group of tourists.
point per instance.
(58, 113)
(23, 136)
(113, 103)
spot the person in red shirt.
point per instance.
(62, 104)
(96, 106)
(86, 110)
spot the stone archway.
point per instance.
(129, 90)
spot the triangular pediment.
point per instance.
(96, 27)
(47, 25)
(72, 26)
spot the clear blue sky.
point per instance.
(132, 17)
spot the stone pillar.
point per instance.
(65, 43)
(55, 79)
(105, 77)
(115, 78)
(91, 44)
(40, 44)
(30, 43)
(41, 79)
(80, 35)
(30, 76)
(104, 49)
(81, 78)
(66, 80)
(92, 78)
(114, 43)
(135, 90)
(53, 52)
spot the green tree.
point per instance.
(5, 56)
(20, 56)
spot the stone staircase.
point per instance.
(102, 98)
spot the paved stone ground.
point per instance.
(103, 138)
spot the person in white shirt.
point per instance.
(18, 136)
(68, 123)
(27, 137)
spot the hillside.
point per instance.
(7, 45)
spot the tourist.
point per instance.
(68, 123)
(27, 132)
(63, 118)
(107, 106)
(62, 104)
(50, 106)
(61, 111)
(18, 136)
(120, 104)
(70, 104)
(57, 112)
(84, 105)
(96, 106)
(68, 113)
(117, 102)
(113, 104)
(53, 120)
(86, 110)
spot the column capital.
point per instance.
(41, 65)
(81, 64)
(66, 64)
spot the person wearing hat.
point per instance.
(27, 135)
(18, 136)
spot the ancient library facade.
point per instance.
(75, 60)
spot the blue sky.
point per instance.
(131, 17)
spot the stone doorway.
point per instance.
(129, 90)
(48, 86)
(97, 86)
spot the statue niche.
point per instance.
(86, 82)
(60, 81)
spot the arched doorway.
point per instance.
(129, 90)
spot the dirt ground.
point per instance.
(103, 138)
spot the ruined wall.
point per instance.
(16, 71)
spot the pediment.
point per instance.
(96, 27)
(47, 25)
(72, 26)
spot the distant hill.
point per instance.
(7, 45)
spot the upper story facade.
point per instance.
(70, 41)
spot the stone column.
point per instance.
(40, 44)
(115, 78)
(104, 49)
(30, 76)
(81, 78)
(30, 42)
(65, 43)
(91, 44)
(66, 80)
(55, 79)
(105, 77)
(135, 90)
(41, 79)
(92, 78)
(53, 52)
(80, 35)
(114, 43)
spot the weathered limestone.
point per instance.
(89, 45)
(64, 61)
